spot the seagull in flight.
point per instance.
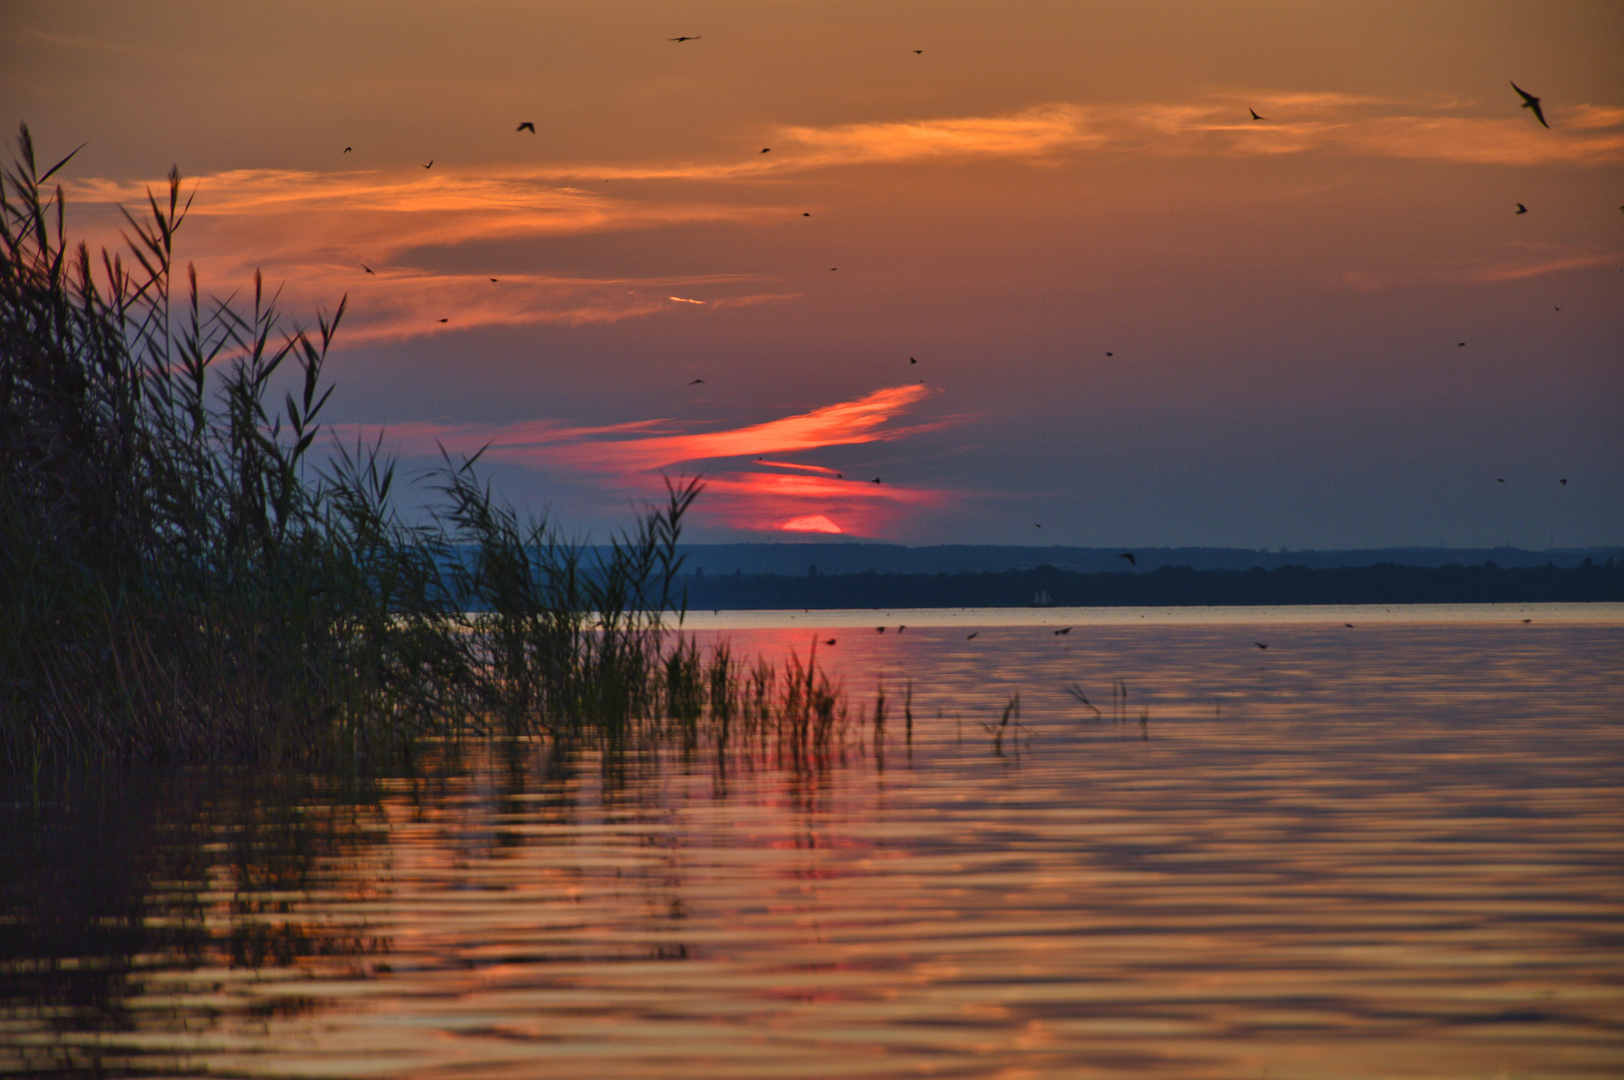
(1531, 102)
(685, 37)
(911, 360)
(919, 52)
(1255, 116)
(1129, 556)
(876, 479)
(430, 165)
(445, 320)
(1261, 644)
(347, 149)
(766, 149)
(696, 382)
(526, 126)
(369, 269)
(1521, 209)
(972, 636)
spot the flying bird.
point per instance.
(685, 37)
(830, 641)
(1563, 481)
(526, 126)
(876, 479)
(919, 52)
(1255, 116)
(696, 382)
(369, 269)
(1460, 344)
(972, 636)
(1063, 630)
(1108, 353)
(493, 281)
(1499, 479)
(911, 360)
(1531, 102)
(901, 628)
(766, 149)
(445, 320)
(1129, 556)
(430, 165)
(347, 149)
(1349, 625)
(1521, 209)
(804, 214)
(1260, 644)
(1036, 525)
(879, 629)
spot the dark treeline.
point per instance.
(1168, 586)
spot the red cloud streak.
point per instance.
(634, 453)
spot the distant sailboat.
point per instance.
(1042, 599)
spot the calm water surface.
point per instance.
(1390, 850)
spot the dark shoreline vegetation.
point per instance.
(183, 580)
(1166, 586)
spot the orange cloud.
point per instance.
(633, 454)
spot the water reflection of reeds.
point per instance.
(1399, 856)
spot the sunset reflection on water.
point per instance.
(1390, 850)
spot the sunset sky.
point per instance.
(1139, 316)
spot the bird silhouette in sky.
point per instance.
(918, 52)
(1349, 625)
(685, 37)
(911, 360)
(445, 320)
(766, 149)
(369, 269)
(1261, 644)
(1563, 481)
(831, 641)
(526, 126)
(1062, 631)
(804, 214)
(1036, 525)
(1255, 116)
(1521, 209)
(901, 628)
(876, 479)
(972, 636)
(430, 165)
(1460, 344)
(493, 281)
(696, 382)
(879, 629)
(1129, 556)
(347, 149)
(1499, 479)
(1108, 353)
(1531, 102)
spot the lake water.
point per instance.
(1386, 850)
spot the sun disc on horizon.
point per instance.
(811, 523)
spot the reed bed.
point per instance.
(183, 578)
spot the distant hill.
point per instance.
(1165, 586)
(856, 557)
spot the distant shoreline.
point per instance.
(1167, 586)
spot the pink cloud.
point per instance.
(758, 495)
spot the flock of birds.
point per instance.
(1529, 101)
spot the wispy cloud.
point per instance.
(741, 491)
(1532, 265)
(316, 230)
